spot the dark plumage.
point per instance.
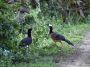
(23, 9)
(26, 41)
(34, 4)
(57, 37)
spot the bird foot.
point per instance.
(74, 47)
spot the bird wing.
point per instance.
(57, 36)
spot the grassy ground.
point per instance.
(73, 32)
(43, 49)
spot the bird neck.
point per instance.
(51, 30)
(29, 34)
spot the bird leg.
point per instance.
(54, 42)
(61, 44)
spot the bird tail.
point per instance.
(68, 42)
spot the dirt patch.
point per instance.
(81, 58)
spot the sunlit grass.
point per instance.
(42, 51)
(46, 50)
(73, 33)
(38, 64)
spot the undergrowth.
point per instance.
(42, 55)
(42, 51)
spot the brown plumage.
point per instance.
(58, 37)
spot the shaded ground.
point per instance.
(81, 58)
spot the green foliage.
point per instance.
(43, 48)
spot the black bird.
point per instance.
(26, 41)
(57, 37)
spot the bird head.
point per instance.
(30, 29)
(29, 32)
(50, 26)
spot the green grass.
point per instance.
(38, 64)
(49, 49)
(43, 52)
(43, 49)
